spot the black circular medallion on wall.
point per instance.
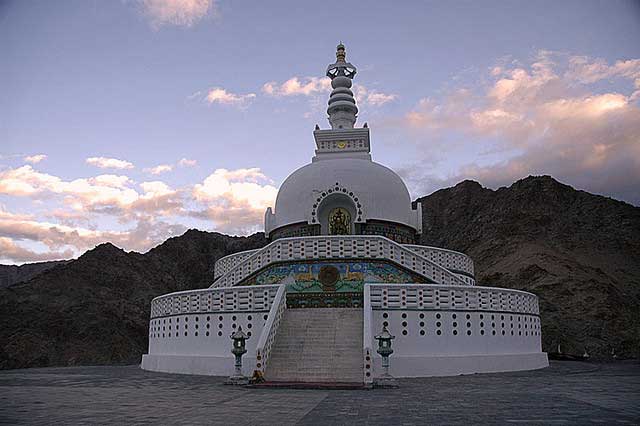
(328, 277)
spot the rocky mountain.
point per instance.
(95, 309)
(579, 252)
(11, 274)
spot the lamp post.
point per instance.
(384, 349)
(238, 349)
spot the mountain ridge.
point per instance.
(579, 252)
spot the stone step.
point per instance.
(314, 365)
(316, 372)
(318, 345)
(298, 347)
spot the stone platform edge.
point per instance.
(400, 366)
(198, 365)
(451, 365)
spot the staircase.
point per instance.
(322, 345)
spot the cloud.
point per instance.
(235, 200)
(373, 98)
(586, 70)
(230, 200)
(218, 95)
(66, 241)
(107, 194)
(51, 234)
(546, 117)
(158, 199)
(81, 193)
(184, 162)
(296, 86)
(159, 169)
(176, 12)
(109, 163)
(316, 87)
(34, 159)
(13, 252)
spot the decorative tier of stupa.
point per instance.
(343, 262)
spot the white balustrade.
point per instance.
(232, 299)
(270, 329)
(225, 264)
(448, 330)
(337, 247)
(439, 297)
(452, 260)
(198, 323)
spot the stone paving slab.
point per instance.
(565, 393)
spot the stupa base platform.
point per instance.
(452, 365)
(311, 385)
(197, 365)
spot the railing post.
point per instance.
(366, 334)
(268, 335)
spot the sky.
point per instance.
(131, 121)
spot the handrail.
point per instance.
(220, 299)
(268, 335)
(224, 264)
(206, 290)
(467, 262)
(367, 353)
(390, 296)
(336, 247)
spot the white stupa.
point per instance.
(343, 262)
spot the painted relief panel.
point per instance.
(331, 276)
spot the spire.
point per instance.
(342, 108)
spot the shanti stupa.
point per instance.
(342, 262)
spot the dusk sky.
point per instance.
(131, 121)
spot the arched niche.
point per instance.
(332, 202)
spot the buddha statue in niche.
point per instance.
(339, 222)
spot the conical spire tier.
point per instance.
(342, 140)
(342, 108)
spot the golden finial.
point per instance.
(340, 53)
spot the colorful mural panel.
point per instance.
(332, 276)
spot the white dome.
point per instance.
(379, 191)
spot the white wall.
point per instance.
(189, 331)
(448, 330)
(187, 334)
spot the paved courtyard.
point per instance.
(565, 393)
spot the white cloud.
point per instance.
(185, 162)
(13, 252)
(235, 199)
(295, 86)
(316, 87)
(545, 118)
(34, 159)
(66, 241)
(113, 181)
(176, 12)
(159, 169)
(218, 95)
(373, 98)
(100, 194)
(379, 99)
(588, 70)
(109, 163)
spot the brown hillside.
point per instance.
(579, 252)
